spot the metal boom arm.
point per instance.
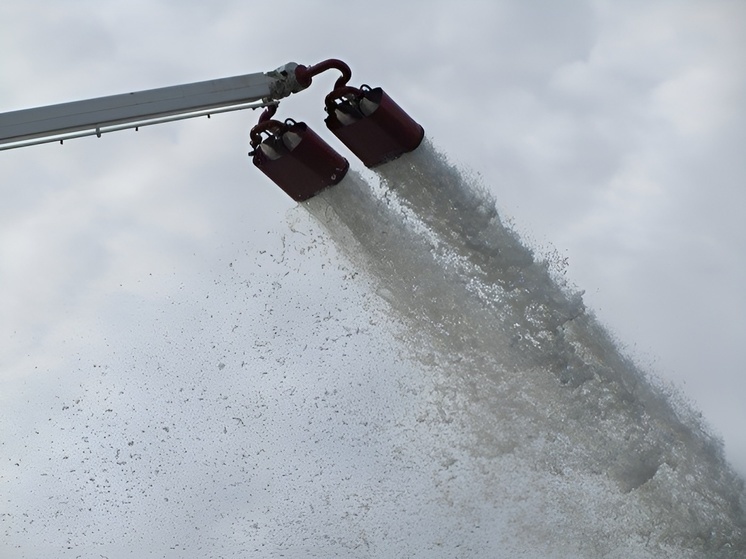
(130, 110)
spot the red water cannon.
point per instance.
(295, 157)
(365, 119)
(371, 124)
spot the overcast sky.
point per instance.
(609, 132)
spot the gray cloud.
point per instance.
(609, 131)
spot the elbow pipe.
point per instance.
(305, 74)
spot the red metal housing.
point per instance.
(371, 124)
(296, 158)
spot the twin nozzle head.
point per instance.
(365, 119)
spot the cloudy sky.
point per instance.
(611, 134)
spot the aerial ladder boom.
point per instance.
(132, 110)
(364, 119)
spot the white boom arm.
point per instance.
(131, 110)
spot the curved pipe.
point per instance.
(304, 74)
(268, 113)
